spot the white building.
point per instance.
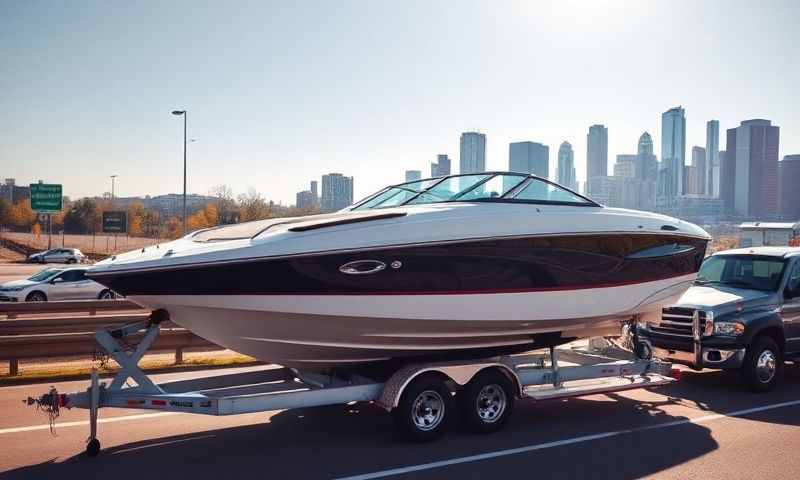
(413, 175)
(712, 158)
(757, 234)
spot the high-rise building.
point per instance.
(473, 153)
(646, 162)
(626, 166)
(673, 157)
(597, 151)
(749, 186)
(337, 192)
(698, 183)
(314, 189)
(529, 157)
(442, 166)
(790, 187)
(305, 199)
(602, 189)
(565, 169)
(712, 158)
(413, 175)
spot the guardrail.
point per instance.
(60, 329)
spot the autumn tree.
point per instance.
(21, 214)
(83, 217)
(5, 212)
(136, 213)
(151, 223)
(252, 206)
(173, 227)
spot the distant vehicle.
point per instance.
(58, 255)
(51, 284)
(743, 313)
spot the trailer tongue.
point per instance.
(422, 397)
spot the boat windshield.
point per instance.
(476, 187)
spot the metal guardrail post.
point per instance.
(13, 367)
(178, 356)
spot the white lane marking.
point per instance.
(567, 441)
(32, 428)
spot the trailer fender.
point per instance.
(460, 374)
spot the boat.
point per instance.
(473, 264)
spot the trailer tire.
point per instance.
(424, 410)
(93, 448)
(487, 401)
(763, 365)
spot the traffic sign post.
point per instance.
(47, 198)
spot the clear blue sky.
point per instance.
(279, 93)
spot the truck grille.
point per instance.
(678, 322)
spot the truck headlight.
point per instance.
(728, 328)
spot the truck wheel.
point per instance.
(763, 365)
(487, 401)
(424, 409)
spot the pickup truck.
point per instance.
(742, 313)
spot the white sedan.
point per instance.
(55, 284)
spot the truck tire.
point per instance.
(487, 401)
(424, 410)
(763, 365)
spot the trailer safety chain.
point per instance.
(50, 403)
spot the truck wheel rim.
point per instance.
(427, 411)
(765, 366)
(491, 403)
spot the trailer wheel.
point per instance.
(93, 447)
(487, 401)
(763, 365)
(424, 409)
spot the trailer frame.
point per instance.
(563, 372)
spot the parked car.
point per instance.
(69, 283)
(743, 313)
(58, 255)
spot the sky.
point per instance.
(279, 93)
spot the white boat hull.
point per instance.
(309, 331)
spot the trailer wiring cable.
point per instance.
(48, 403)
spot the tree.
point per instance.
(5, 212)
(252, 206)
(136, 215)
(173, 227)
(83, 217)
(151, 223)
(22, 216)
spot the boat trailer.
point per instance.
(422, 397)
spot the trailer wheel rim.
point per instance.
(491, 403)
(427, 411)
(766, 366)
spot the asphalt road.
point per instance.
(704, 426)
(18, 271)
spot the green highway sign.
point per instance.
(115, 222)
(46, 198)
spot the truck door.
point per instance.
(791, 308)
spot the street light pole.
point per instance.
(113, 177)
(185, 116)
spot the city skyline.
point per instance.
(271, 125)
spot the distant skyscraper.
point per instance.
(305, 199)
(442, 166)
(412, 175)
(790, 187)
(698, 184)
(749, 185)
(625, 166)
(597, 151)
(473, 152)
(712, 158)
(565, 170)
(337, 192)
(529, 157)
(646, 161)
(314, 189)
(673, 156)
